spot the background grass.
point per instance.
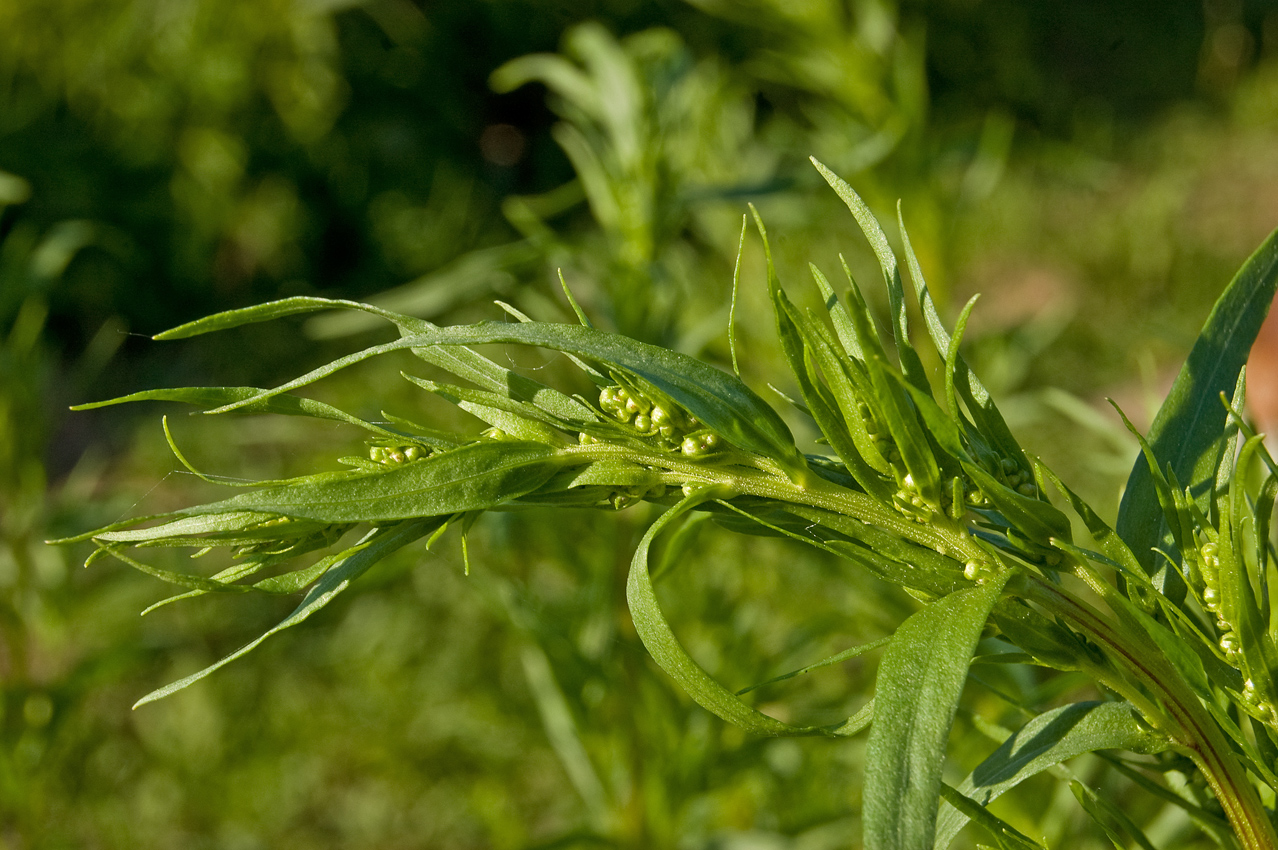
(1097, 170)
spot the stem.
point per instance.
(1196, 731)
(1138, 658)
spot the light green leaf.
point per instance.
(911, 366)
(919, 684)
(375, 546)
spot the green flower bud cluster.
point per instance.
(1020, 480)
(1209, 568)
(910, 502)
(978, 571)
(883, 442)
(627, 496)
(396, 455)
(674, 429)
(1260, 705)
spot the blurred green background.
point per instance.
(1097, 169)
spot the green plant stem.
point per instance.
(1138, 659)
(1194, 728)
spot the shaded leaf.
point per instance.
(1047, 740)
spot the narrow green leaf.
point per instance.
(844, 427)
(911, 365)
(576, 308)
(1047, 740)
(1005, 836)
(881, 552)
(1233, 438)
(845, 655)
(919, 683)
(275, 310)
(1116, 825)
(459, 361)
(1189, 430)
(952, 355)
(212, 397)
(475, 477)
(732, 308)
(180, 579)
(976, 397)
(214, 521)
(376, 545)
(838, 316)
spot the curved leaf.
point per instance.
(666, 650)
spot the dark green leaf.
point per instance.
(1005, 836)
(1189, 431)
(474, 477)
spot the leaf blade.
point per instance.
(919, 683)
(1188, 431)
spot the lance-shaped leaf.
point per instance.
(1189, 431)
(276, 310)
(211, 397)
(989, 421)
(474, 477)
(1047, 740)
(919, 683)
(459, 361)
(376, 545)
(911, 365)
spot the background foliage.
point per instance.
(1097, 169)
